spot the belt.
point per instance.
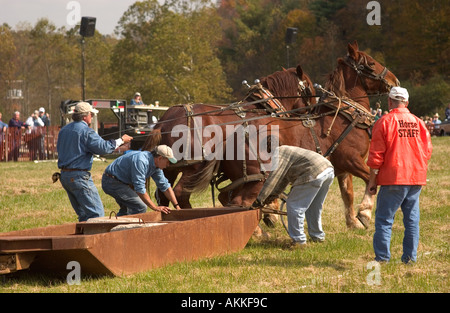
(115, 178)
(73, 170)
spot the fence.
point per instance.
(38, 143)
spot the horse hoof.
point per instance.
(355, 224)
(260, 234)
(365, 221)
(270, 220)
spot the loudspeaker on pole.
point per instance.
(87, 28)
(291, 35)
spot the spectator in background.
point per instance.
(16, 126)
(378, 115)
(34, 135)
(34, 121)
(44, 116)
(436, 119)
(3, 127)
(137, 100)
(447, 113)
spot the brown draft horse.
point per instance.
(356, 76)
(287, 85)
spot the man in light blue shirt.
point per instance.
(76, 146)
(125, 180)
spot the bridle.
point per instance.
(362, 70)
(303, 90)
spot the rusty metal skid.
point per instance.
(143, 241)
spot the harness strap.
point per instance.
(189, 115)
(341, 137)
(310, 124)
(241, 181)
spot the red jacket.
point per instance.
(400, 149)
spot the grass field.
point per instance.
(28, 198)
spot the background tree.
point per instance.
(7, 68)
(200, 51)
(169, 55)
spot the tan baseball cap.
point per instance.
(166, 152)
(84, 107)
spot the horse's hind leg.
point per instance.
(346, 186)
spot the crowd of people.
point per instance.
(430, 121)
(33, 128)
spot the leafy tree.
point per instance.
(7, 65)
(167, 53)
(430, 97)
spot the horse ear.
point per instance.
(299, 71)
(353, 50)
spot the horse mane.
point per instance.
(278, 83)
(336, 82)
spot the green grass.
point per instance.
(28, 198)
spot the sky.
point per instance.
(64, 12)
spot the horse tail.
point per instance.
(153, 140)
(202, 178)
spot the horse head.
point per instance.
(368, 72)
(358, 75)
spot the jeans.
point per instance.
(127, 199)
(83, 194)
(307, 200)
(389, 199)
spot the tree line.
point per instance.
(201, 50)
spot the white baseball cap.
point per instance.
(399, 93)
(41, 109)
(166, 151)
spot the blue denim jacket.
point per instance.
(135, 167)
(77, 144)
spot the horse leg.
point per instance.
(346, 187)
(364, 215)
(182, 195)
(365, 208)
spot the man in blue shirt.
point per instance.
(76, 146)
(125, 180)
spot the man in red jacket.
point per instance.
(398, 161)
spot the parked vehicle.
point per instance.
(442, 129)
(134, 120)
